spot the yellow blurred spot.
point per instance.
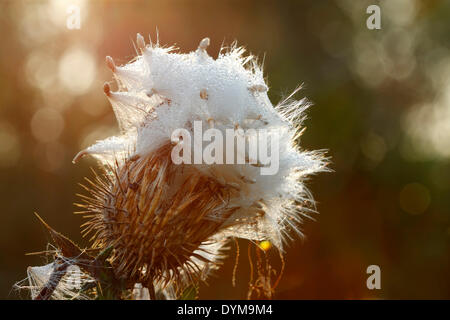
(57, 11)
(50, 156)
(9, 145)
(47, 125)
(373, 147)
(265, 245)
(414, 198)
(77, 70)
(40, 70)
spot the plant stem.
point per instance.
(58, 272)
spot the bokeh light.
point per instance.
(74, 60)
(47, 124)
(414, 198)
(9, 145)
(381, 107)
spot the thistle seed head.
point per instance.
(167, 222)
(159, 218)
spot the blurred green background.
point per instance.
(381, 107)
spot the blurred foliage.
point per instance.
(381, 107)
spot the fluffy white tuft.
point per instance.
(68, 286)
(162, 90)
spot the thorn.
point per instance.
(37, 253)
(79, 155)
(204, 44)
(67, 247)
(258, 88)
(110, 63)
(259, 165)
(42, 221)
(168, 101)
(134, 158)
(140, 42)
(204, 94)
(104, 254)
(248, 180)
(250, 161)
(299, 134)
(107, 89)
(257, 205)
(233, 185)
(151, 93)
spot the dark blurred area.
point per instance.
(381, 107)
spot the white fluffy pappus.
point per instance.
(161, 91)
(66, 283)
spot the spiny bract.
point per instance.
(168, 222)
